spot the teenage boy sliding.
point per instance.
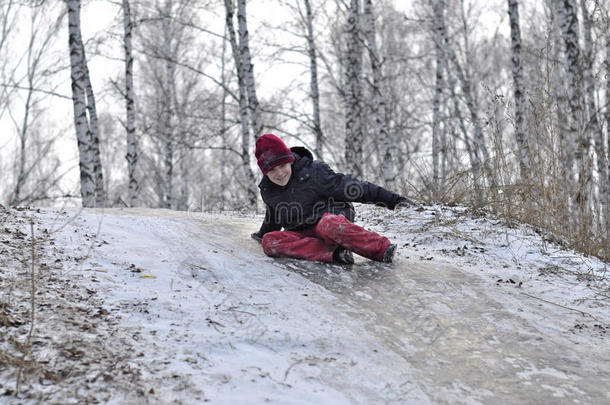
(313, 205)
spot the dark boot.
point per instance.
(343, 256)
(388, 255)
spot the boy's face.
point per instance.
(280, 174)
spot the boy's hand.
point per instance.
(257, 237)
(404, 202)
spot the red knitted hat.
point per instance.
(271, 152)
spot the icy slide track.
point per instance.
(225, 323)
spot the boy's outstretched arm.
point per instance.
(346, 188)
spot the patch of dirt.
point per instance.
(74, 351)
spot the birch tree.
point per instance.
(248, 69)
(167, 103)
(438, 8)
(593, 125)
(601, 151)
(315, 92)
(592, 122)
(223, 122)
(243, 105)
(86, 144)
(182, 203)
(523, 153)
(386, 159)
(130, 109)
(576, 143)
(100, 196)
(353, 93)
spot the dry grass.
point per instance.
(566, 203)
(58, 344)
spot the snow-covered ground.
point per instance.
(158, 306)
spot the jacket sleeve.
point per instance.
(342, 187)
(270, 223)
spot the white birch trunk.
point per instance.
(315, 92)
(223, 124)
(606, 153)
(353, 119)
(576, 142)
(81, 123)
(100, 197)
(183, 148)
(593, 125)
(168, 152)
(438, 8)
(183, 157)
(523, 153)
(243, 108)
(387, 160)
(130, 110)
(248, 70)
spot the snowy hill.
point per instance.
(158, 306)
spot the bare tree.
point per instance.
(606, 153)
(41, 35)
(295, 44)
(223, 123)
(182, 203)
(386, 158)
(464, 76)
(315, 92)
(100, 196)
(474, 150)
(130, 109)
(248, 69)
(523, 153)
(167, 102)
(182, 102)
(577, 143)
(8, 19)
(593, 124)
(167, 118)
(438, 8)
(243, 105)
(79, 79)
(353, 93)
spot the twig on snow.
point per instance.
(291, 366)
(562, 306)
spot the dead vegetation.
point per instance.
(58, 343)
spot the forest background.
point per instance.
(498, 105)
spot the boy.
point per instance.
(313, 205)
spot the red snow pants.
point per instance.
(320, 242)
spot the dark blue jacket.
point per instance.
(313, 190)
